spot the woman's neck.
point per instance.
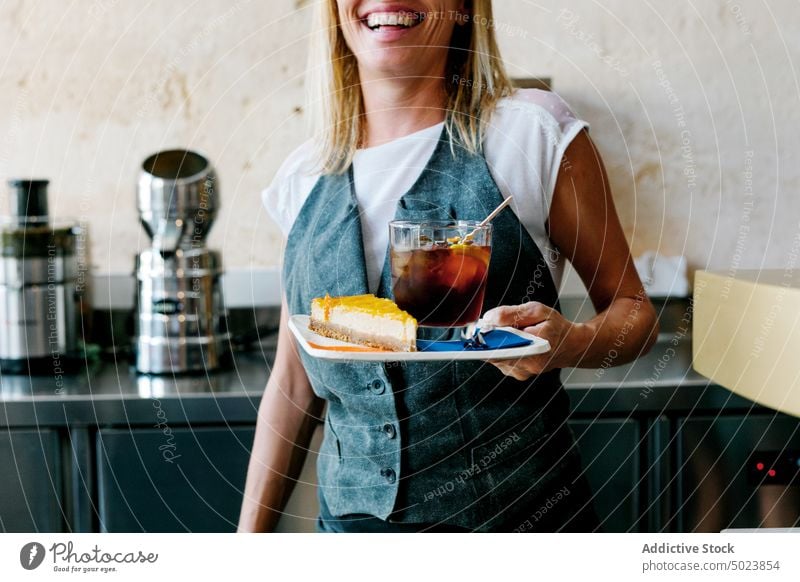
(395, 108)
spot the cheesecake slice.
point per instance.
(366, 320)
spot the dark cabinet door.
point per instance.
(719, 482)
(611, 461)
(181, 480)
(31, 483)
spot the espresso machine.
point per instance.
(41, 290)
(180, 315)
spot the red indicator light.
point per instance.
(760, 466)
(771, 472)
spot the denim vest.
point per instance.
(435, 442)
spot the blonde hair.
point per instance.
(475, 79)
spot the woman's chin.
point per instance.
(391, 62)
(388, 63)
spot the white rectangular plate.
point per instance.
(299, 326)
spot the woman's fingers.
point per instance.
(539, 320)
(519, 316)
(510, 369)
(521, 369)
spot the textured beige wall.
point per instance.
(88, 88)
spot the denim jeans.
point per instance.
(574, 515)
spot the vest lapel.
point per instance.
(326, 245)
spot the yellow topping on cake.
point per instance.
(365, 303)
(364, 319)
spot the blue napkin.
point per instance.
(496, 339)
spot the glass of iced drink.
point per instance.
(439, 272)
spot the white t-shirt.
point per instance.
(524, 145)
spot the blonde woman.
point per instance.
(417, 119)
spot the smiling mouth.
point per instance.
(393, 20)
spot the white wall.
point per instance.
(89, 88)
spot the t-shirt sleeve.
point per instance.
(284, 196)
(274, 199)
(559, 134)
(525, 146)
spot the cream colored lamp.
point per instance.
(746, 334)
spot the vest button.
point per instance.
(388, 474)
(377, 386)
(389, 430)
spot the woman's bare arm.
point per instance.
(288, 413)
(584, 226)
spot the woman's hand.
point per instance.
(565, 337)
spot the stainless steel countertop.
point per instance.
(112, 394)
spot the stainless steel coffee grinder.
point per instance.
(41, 291)
(180, 314)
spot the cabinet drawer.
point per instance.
(185, 479)
(611, 461)
(31, 486)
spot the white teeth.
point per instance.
(377, 19)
